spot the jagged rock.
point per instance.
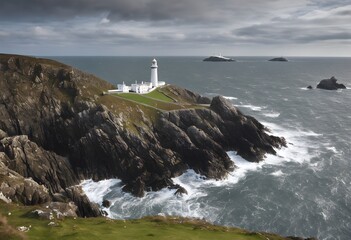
(2, 134)
(56, 210)
(29, 160)
(189, 96)
(19, 189)
(85, 207)
(137, 187)
(309, 87)
(330, 84)
(62, 210)
(180, 190)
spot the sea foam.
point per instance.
(230, 98)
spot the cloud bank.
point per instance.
(182, 27)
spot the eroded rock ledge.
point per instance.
(56, 129)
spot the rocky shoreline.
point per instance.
(56, 129)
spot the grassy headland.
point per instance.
(105, 228)
(159, 99)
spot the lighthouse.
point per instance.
(154, 76)
(143, 87)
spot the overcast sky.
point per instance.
(176, 27)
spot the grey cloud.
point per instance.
(272, 34)
(37, 10)
(208, 11)
(178, 24)
(329, 3)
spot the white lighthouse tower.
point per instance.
(154, 76)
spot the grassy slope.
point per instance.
(103, 228)
(157, 94)
(158, 99)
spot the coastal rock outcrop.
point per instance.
(57, 129)
(330, 84)
(14, 187)
(278, 59)
(218, 59)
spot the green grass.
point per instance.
(152, 102)
(160, 100)
(156, 94)
(104, 228)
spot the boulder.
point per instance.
(18, 189)
(330, 84)
(180, 190)
(106, 203)
(85, 208)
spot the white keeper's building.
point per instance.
(143, 87)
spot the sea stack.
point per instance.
(330, 84)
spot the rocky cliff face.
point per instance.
(57, 129)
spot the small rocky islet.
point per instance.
(278, 59)
(218, 58)
(329, 84)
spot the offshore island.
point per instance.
(57, 128)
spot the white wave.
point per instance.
(217, 94)
(211, 94)
(230, 98)
(252, 107)
(278, 173)
(271, 114)
(333, 149)
(301, 145)
(96, 191)
(305, 88)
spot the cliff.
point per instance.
(56, 128)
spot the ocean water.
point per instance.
(305, 190)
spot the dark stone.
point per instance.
(309, 87)
(106, 203)
(180, 190)
(330, 84)
(19, 189)
(85, 207)
(278, 59)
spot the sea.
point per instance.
(303, 190)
